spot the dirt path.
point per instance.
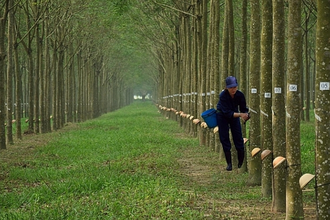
(222, 194)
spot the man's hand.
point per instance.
(245, 116)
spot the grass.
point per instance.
(128, 164)
(118, 166)
(307, 141)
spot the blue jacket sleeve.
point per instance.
(226, 106)
(242, 104)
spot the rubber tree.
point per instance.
(294, 204)
(243, 68)
(231, 36)
(186, 20)
(3, 23)
(194, 70)
(201, 10)
(215, 58)
(10, 74)
(18, 80)
(224, 50)
(322, 109)
(254, 95)
(183, 74)
(266, 94)
(278, 105)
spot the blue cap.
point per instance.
(231, 82)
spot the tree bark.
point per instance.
(231, 35)
(18, 91)
(215, 86)
(278, 105)
(38, 45)
(194, 71)
(201, 54)
(243, 71)
(254, 97)
(224, 50)
(322, 109)
(48, 86)
(10, 75)
(266, 94)
(294, 204)
(307, 67)
(3, 21)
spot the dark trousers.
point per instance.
(234, 125)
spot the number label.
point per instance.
(324, 86)
(278, 90)
(293, 88)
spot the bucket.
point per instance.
(210, 117)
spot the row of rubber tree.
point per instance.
(263, 43)
(59, 63)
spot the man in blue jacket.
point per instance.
(231, 107)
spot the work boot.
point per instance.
(240, 156)
(228, 159)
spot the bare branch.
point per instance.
(175, 9)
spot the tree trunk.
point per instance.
(55, 88)
(307, 67)
(187, 68)
(48, 86)
(60, 86)
(194, 71)
(231, 35)
(80, 88)
(215, 88)
(3, 21)
(209, 62)
(18, 85)
(294, 204)
(224, 51)
(43, 88)
(37, 75)
(266, 94)
(31, 89)
(254, 97)
(322, 123)
(278, 104)
(10, 75)
(243, 70)
(70, 85)
(177, 74)
(201, 65)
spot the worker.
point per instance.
(230, 108)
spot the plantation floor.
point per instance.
(218, 194)
(203, 171)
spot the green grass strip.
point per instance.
(122, 165)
